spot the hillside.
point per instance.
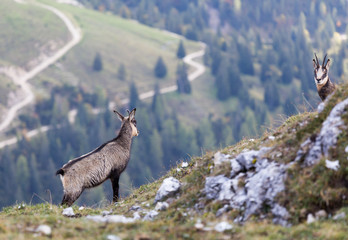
(27, 33)
(294, 176)
(118, 41)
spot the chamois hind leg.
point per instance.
(115, 187)
(70, 197)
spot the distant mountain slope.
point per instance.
(118, 41)
(28, 31)
(295, 176)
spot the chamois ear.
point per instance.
(327, 66)
(132, 114)
(314, 64)
(119, 115)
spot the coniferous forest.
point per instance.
(258, 55)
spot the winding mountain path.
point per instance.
(199, 69)
(20, 77)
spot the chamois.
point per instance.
(106, 162)
(321, 77)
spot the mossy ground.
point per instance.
(307, 191)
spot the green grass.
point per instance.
(25, 31)
(118, 41)
(307, 191)
(6, 85)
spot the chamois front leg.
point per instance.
(114, 180)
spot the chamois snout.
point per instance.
(106, 162)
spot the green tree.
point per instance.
(134, 97)
(156, 154)
(222, 81)
(121, 72)
(272, 95)
(182, 81)
(287, 74)
(181, 52)
(160, 69)
(205, 135)
(158, 108)
(23, 174)
(245, 60)
(97, 63)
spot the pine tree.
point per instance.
(181, 53)
(222, 81)
(160, 70)
(287, 74)
(272, 95)
(182, 81)
(158, 109)
(121, 72)
(97, 63)
(245, 60)
(23, 174)
(134, 97)
(156, 154)
(205, 135)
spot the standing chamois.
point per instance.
(106, 162)
(321, 77)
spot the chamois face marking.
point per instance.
(321, 72)
(135, 131)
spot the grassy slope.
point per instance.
(118, 41)
(308, 190)
(25, 31)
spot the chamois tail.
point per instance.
(60, 171)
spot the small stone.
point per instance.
(346, 149)
(150, 215)
(334, 165)
(251, 140)
(68, 212)
(81, 208)
(135, 208)
(104, 213)
(184, 164)
(178, 170)
(310, 218)
(222, 226)
(222, 210)
(321, 107)
(161, 206)
(321, 214)
(271, 138)
(219, 158)
(119, 219)
(112, 237)
(136, 216)
(44, 229)
(169, 187)
(199, 225)
(339, 216)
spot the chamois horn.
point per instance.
(324, 61)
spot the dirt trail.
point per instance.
(20, 77)
(199, 69)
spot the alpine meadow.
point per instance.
(241, 119)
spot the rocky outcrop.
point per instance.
(254, 183)
(317, 146)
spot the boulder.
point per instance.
(169, 187)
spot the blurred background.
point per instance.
(258, 71)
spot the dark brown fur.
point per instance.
(326, 90)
